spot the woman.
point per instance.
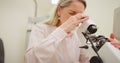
(56, 41)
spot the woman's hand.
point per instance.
(113, 42)
(73, 22)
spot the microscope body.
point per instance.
(104, 52)
(109, 54)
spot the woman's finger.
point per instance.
(112, 36)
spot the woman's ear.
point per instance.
(59, 10)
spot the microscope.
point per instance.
(104, 51)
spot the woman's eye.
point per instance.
(72, 13)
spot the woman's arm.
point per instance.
(41, 48)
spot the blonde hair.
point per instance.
(54, 19)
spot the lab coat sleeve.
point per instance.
(42, 48)
(83, 57)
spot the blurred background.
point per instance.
(17, 15)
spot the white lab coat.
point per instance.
(49, 44)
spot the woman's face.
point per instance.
(72, 9)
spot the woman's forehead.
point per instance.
(76, 6)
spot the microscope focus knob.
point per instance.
(95, 59)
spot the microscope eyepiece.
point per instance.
(92, 28)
